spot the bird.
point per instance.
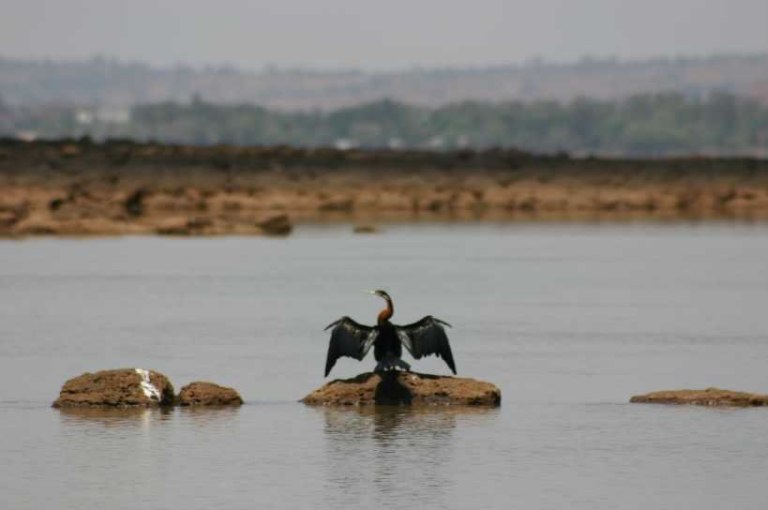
(422, 338)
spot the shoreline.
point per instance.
(75, 188)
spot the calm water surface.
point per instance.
(568, 320)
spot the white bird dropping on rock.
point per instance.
(146, 385)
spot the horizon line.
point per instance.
(531, 62)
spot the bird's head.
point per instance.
(381, 294)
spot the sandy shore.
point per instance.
(69, 188)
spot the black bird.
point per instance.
(421, 338)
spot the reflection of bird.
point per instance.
(421, 338)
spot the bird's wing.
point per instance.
(427, 337)
(348, 338)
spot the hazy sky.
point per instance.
(382, 34)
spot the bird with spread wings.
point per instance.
(421, 338)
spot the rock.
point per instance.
(405, 388)
(8, 218)
(176, 226)
(708, 397)
(208, 394)
(279, 225)
(126, 387)
(366, 229)
(134, 204)
(37, 224)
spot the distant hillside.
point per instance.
(111, 83)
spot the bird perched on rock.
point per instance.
(422, 338)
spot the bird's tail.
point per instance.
(392, 363)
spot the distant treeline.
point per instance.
(658, 124)
(111, 82)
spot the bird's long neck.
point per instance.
(386, 313)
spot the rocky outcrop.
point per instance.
(136, 387)
(409, 388)
(208, 394)
(707, 397)
(127, 387)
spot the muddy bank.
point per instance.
(79, 188)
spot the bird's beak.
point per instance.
(370, 292)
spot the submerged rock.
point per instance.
(708, 397)
(208, 394)
(408, 388)
(126, 387)
(366, 229)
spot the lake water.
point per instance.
(568, 320)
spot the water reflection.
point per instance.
(113, 418)
(143, 418)
(205, 417)
(380, 453)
